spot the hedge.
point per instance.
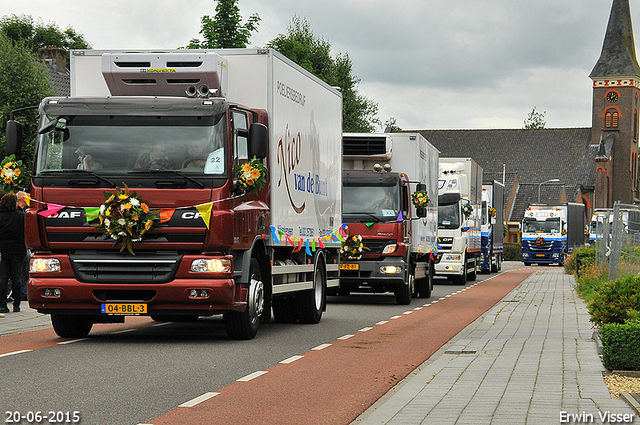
(620, 346)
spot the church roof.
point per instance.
(618, 57)
(535, 155)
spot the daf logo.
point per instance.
(191, 215)
(385, 234)
(67, 215)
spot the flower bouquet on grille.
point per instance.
(124, 217)
(353, 248)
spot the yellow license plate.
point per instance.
(539, 255)
(347, 266)
(127, 309)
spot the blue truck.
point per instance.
(551, 232)
(492, 227)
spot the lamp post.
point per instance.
(548, 181)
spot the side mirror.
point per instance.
(13, 142)
(258, 140)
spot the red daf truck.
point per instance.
(176, 129)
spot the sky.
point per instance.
(430, 64)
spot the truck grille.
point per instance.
(544, 247)
(376, 245)
(121, 268)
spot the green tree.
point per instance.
(359, 114)
(225, 30)
(23, 82)
(35, 34)
(535, 119)
(391, 125)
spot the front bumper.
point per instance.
(451, 264)
(87, 298)
(369, 273)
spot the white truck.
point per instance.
(179, 127)
(380, 173)
(459, 219)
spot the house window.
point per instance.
(611, 118)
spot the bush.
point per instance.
(590, 282)
(620, 346)
(613, 299)
(579, 260)
(512, 251)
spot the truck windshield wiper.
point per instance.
(80, 170)
(378, 219)
(177, 173)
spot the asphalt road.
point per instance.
(132, 373)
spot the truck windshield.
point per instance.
(550, 225)
(379, 202)
(120, 144)
(448, 216)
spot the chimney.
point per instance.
(57, 56)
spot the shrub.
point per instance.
(579, 260)
(512, 251)
(620, 346)
(590, 282)
(612, 300)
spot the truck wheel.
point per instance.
(500, 262)
(424, 286)
(461, 280)
(284, 310)
(403, 292)
(473, 275)
(244, 325)
(310, 303)
(71, 326)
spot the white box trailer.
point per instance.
(305, 122)
(278, 244)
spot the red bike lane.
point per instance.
(335, 383)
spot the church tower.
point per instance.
(616, 87)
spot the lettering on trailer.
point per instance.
(290, 93)
(289, 154)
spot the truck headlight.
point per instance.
(555, 255)
(525, 255)
(390, 269)
(42, 265)
(390, 249)
(205, 265)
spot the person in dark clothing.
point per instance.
(12, 250)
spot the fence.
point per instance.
(618, 240)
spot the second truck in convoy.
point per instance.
(391, 240)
